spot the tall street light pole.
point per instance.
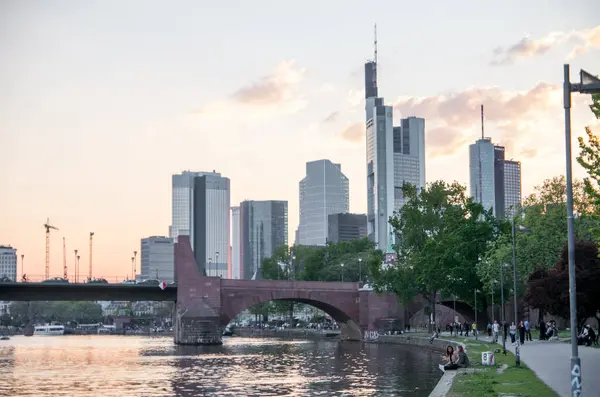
(342, 266)
(217, 264)
(588, 84)
(502, 307)
(359, 271)
(475, 306)
(514, 255)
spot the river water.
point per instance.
(106, 365)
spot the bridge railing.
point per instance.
(38, 278)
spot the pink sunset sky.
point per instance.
(101, 101)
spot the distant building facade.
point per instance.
(263, 228)
(323, 191)
(182, 204)
(8, 262)
(211, 223)
(490, 184)
(236, 269)
(512, 186)
(158, 260)
(346, 227)
(409, 157)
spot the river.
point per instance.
(106, 365)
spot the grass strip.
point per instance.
(493, 381)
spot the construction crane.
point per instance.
(65, 275)
(48, 226)
(90, 270)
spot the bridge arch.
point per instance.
(339, 304)
(463, 309)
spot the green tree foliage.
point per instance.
(441, 235)
(589, 159)
(545, 213)
(310, 263)
(548, 290)
(81, 312)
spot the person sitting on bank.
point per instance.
(462, 360)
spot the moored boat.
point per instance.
(49, 330)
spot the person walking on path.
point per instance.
(521, 332)
(513, 333)
(495, 329)
(528, 331)
(489, 329)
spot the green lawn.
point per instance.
(514, 381)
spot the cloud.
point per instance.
(333, 116)
(581, 40)
(353, 133)
(273, 88)
(453, 119)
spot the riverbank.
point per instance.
(286, 333)
(503, 379)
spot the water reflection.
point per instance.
(143, 366)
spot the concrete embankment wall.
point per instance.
(288, 334)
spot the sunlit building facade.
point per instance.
(409, 157)
(158, 260)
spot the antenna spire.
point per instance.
(375, 43)
(482, 135)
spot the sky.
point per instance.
(102, 101)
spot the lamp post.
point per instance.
(502, 306)
(132, 267)
(588, 84)
(342, 266)
(493, 286)
(22, 266)
(208, 267)
(76, 268)
(217, 264)
(514, 255)
(359, 271)
(134, 264)
(475, 309)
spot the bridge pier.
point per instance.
(194, 330)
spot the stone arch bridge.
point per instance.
(205, 305)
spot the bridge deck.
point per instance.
(85, 292)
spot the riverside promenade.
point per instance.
(551, 362)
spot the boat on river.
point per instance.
(49, 330)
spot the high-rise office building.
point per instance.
(8, 262)
(158, 260)
(512, 186)
(346, 227)
(409, 157)
(211, 224)
(489, 183)
(236, 269)
(182, 204)
(323, 191)
(380, 160)
(263, 228)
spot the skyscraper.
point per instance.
(158, 258)
(236, 270)
(346, 227)
(182, 204)
(263, 228)
(211, 224)
(380, 160)
(494, 181)
(323, 191)
(8, 262)
(409, 157)
(512, 186)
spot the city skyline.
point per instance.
(96, 130)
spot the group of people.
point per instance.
(455, 328)
(455, 359)
(587, 336)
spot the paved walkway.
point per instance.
(551, 362)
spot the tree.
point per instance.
(441, 235)
(549, 290)
(589, 159)
(545, 213)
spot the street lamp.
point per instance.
(475, 308)
(76, 268)
(216, 263)
(359, 271)
(514, 254)
(342, 266)
(588, 84)
(494, 282)
(207, 270)
(502, 266)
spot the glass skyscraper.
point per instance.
(512, 186)
(409, 157)
(263, 228)
(323, 191)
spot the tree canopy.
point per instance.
(589, 159)
(548, 290)
(81, 312)
(441, 234)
